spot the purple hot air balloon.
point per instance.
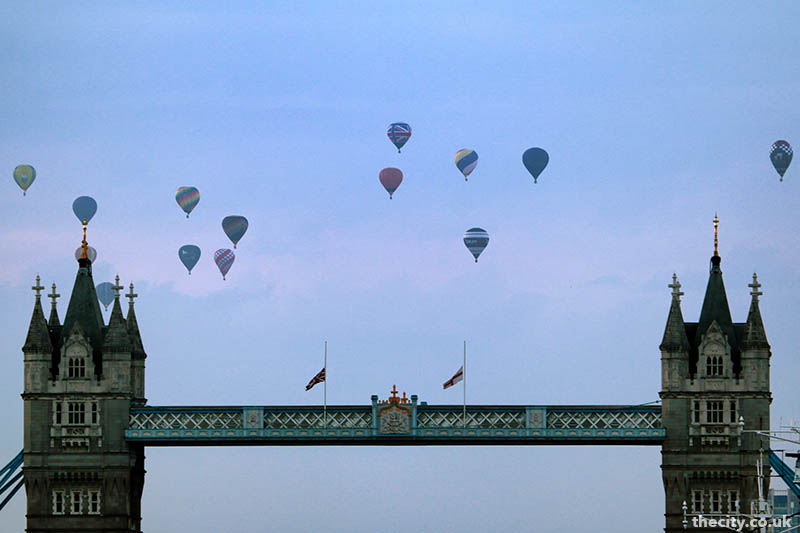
(391, 178)
(224, 259)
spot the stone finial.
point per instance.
(117, 287)
(53, 295)
(676, 288)
(38, 288)
(755, 293)
(131, 295)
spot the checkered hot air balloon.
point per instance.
(224, 259)
(466, 161)
(399, 133)
(187, 198)
(24, 176)
(476, 239)
(781, 156)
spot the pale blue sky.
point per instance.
(655, 117)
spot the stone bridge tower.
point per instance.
(715, 384)
(81, 378)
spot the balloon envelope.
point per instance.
(189, 255)
(105, 293)
(535, 159)
(187, 198)
(90, 252)
(476, 239)
(781, 156)
(24, 176)
(224, 259)
(399, 133)
(466, 161)
(391, 178)
(84, 208)
(234, 227)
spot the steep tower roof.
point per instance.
(754, 335)
(675, 337)
(715, 303)
(116, 338)
(38, 339)
(84, 308)
(137, 349)
(53, 320)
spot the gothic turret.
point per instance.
(38, 339)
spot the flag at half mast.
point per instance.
(458, 376)
(319, 378)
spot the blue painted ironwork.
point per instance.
(785, 471)
(5, 483)
(395, 422)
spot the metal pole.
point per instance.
(325, 390)
(464, 379)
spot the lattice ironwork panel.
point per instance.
(475, 419)
(186, 420)
(603, 419)
(316, 419)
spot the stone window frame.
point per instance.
(75, 504)
(697, 501)
(76, 367)
(76, 413)
(733, 501)
(94, 501)
(715, 501)
(59, 502)
(715, 411)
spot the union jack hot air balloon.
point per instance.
(399, 133)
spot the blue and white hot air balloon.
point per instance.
(476, 239)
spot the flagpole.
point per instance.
(464, 379)
(325, 390)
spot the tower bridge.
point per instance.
(87, 422)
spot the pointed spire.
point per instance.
(675, 338)
(38, 339)
(116, 339)
(715, 303)
(754, 337)
(137, 349)
(53, 320)
(83, 306)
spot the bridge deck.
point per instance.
(396, 423)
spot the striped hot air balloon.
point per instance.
(234, 227)
(90, 252)
(187, 198)
(224, 259)
(781, 156)
(466, 161)
(476, 239)
(399, 133)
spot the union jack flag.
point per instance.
(319, 378)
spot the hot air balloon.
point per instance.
(535, 159)
(234, 227)
(224, 259)
(476, 240)
(391, 178)
(187, 198)
(466, 161)
(781, 156)
(90, 252)
(84, 208)
(24, 176)
(189, 255)
(105, 293)
(399, 133)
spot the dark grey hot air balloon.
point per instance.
(476, 239)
